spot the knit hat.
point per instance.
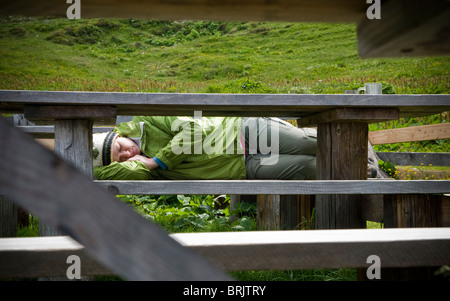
(102, 148)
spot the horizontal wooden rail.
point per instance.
(276, 105)
(48, 131)
(251, 187)
(414, 133)
(256, 250)
(416, 159)
(253, 10)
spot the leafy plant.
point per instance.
(388, 167)
(182, 213)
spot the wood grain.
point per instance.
(287, 187)
(342, 152)
(249, 10)
(256, 250)
(182, 104)
(414, 133)
(406, 28)
(113, 234)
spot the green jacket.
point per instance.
(184, 147)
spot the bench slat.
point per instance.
(256, 250)
(276, 105)
(249, 187)
(416, 159)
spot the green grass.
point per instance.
(145, 56)
(214, 57)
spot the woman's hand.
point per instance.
(150, 163)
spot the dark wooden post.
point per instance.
(411, 211)
(8, 217)
(284, 212)
(342, 154)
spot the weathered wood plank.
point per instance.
(48, 131)
(321, 248)
(257, 250)
(35, 257)
(416, 159)
(111, 231)
(276, 105)
(249, 10)
(105, 115)
(349, 115)
(254, 187)
(414, 133)
(406, 28)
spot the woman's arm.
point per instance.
(150, 163)
(128, 170)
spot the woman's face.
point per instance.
(124, 149)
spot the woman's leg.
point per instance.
(259, 134)
(287, 167)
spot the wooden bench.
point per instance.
(84, 210)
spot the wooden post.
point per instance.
(411, 211)
(284, 212)
(8, 217)
(73, 136)
(341, 155)
(73, 142)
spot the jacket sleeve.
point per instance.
(187, 138)
(129, 170)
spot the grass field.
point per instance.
(209, 57)
(158, 56)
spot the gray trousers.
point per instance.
(278, 150)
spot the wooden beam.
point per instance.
(184, 104)
(416, 159)
(256, 250)
(113, 234)
(281, 250)
(406, 28)
(349, 115)
(48, 131)
(101, 115)
(291, 187)
(34, 257)
(414, 133)
(249, 10)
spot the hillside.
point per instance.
(163, 56)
